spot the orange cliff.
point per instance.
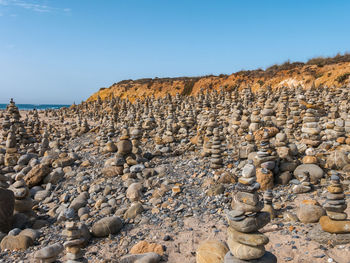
(331, 72)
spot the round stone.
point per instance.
(250, 239)
(245, 252)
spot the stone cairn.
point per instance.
(246, 244)
(266, 163)
(335, 221)
(310, 129)
(268, 207)
(74, 243)
(23, 202)
(11, 156)
(216, 157)
(335, 204)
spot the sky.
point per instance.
(62, 51)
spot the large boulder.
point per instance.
(20, 242)
(49, 253)
(314, 171)
(124, 147)
(106, 226)
(337, 160)
(310, 211)
(36, 175)
(333, 226)
(7, 204)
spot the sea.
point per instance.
(36, 106)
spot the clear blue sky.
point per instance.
(62, 51)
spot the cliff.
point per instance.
(331, 72)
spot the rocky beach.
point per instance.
(221, 176)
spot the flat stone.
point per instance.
(49, 252)
(250, 239)
(250, 224)
(268, 257)
(322, 237)
(140, 258)
(334, 226)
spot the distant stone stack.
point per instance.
(254, 121)
(267, 114)
(246, 244)
(136, 135)
(85, 127)
(211, 124)
(44, 144)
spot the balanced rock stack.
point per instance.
(266, 163)
(335, 222)
(74, 242)
(310, 129)
(335, 204)
(246, 244)
(11, 156)
(216, 158)
(254, 121)
(23, 202)
(136, 135)
(124, 145)
(268, 196)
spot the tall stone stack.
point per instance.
(335, 203)
(254, 121)
(13, 112)
(268, 207)
(124, 145)
(245, 242)
(216, 161)
(267, 114)
(11, 156)
(211, 124)
(136, 135)
(335, 221)
(265, 162)
(44, 144)
(310, 129)
(85, 127)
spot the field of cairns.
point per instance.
(250, 167)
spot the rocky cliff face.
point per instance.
(316, 72)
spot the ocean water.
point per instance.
(36, 106)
